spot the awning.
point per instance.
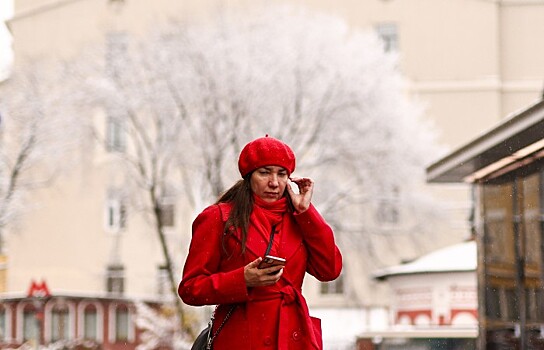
(460, 257)
(518, 136)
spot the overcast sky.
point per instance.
(6, 11)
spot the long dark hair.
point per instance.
(242, 199)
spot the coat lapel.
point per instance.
(257, 242)
(291, 242)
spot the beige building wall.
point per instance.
(3, 273)
(480, 58)
(522, 69)
(72, 211)
(469, 62)
(64, 28)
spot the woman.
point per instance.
(261, 215)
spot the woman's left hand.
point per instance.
(301, 200)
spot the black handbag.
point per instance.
(201, 342)
(205, 339)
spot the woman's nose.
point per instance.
(273, 181)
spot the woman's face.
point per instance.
(269, 182)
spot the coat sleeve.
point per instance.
(203, 283)
(324, 257)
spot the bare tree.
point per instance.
(191, 95)
(35, 135)
(330, 92)
(158, 330)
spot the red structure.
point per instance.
(38, 290)
(79, 322)
(434, 304)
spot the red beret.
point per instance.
(266, 151)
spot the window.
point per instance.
(59, 323)
(115, 279)
(115, 215)
(162, 280)
(530, 304)
(512, 304)
(90, 323)
(116, 53)
(115, 135)
(3, 323)
(531, 239)
(493, 304)
(511, 208)
(29, 325)
(388, 211)
(539, 300)
(389, 35)
(115, 58)
(121, 323)
(498, 218)
(333, 287)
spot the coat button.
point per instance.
(296, 335)
(268, 341)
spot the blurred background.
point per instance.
(121, 120)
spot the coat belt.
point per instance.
(289, 295)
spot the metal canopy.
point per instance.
(522, 129)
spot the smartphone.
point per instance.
(269, 261)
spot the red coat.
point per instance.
(272, 317)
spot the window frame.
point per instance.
(388, 33)
(114, 324)
(517, 280)
(115, 215)
(333, 288)
(115, 279)
(60, 323)
(82, 307)
(48, 323)
(116, 138)
(7, 315)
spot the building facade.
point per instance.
(506, 168)
(468, 61)
(71, 321)
(434, 303)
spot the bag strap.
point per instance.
(211, 337)
(272, 233)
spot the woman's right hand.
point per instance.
(256, 277)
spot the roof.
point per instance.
(16, 296)
(456, 258)
(517, 133)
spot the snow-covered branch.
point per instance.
(38, 135)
